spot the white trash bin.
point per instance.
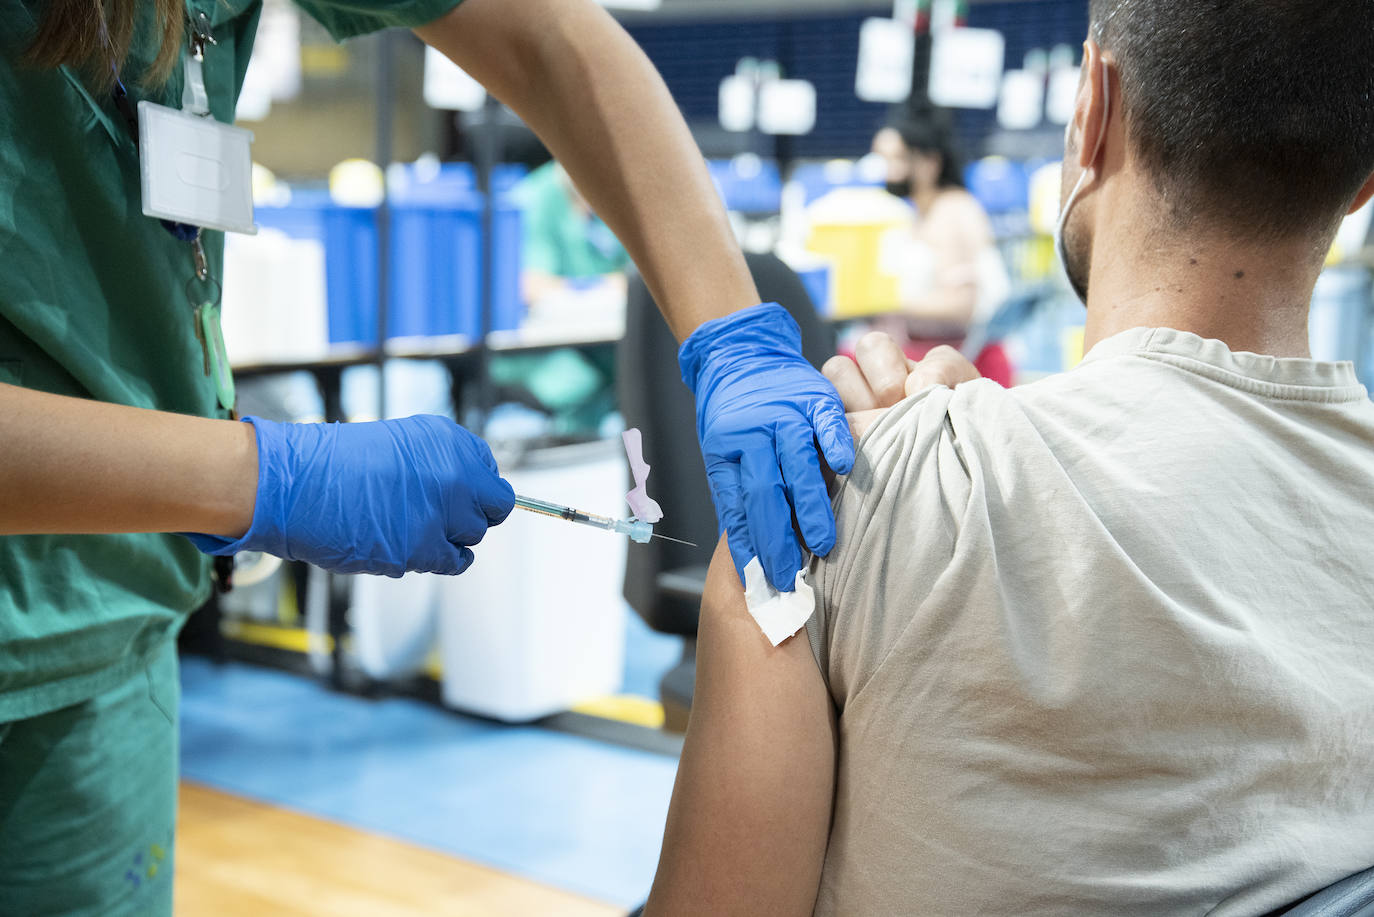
(393, 623)
(537, 624)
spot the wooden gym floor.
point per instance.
(236, 856)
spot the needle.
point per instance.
(636, 529)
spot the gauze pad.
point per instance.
(778, 614)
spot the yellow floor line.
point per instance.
(625, 708)
(295, 639)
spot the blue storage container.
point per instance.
(436, 261)
(820, 178)
(1001, 185)
(508, 305)
(816, 280)
(1338, 320)
(748, 185)
(350, 240)
(503, 177)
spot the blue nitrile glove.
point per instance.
(387, 497)
(759, 405)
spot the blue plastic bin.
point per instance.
(816, 280)
(350, 240)
(1000, 185)
(436, 261)
(747, 189)
(817, 179)
(503, 177)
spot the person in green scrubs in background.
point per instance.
(115, 417)
(564, 243)
(572, 271)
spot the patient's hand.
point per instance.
(883, 376)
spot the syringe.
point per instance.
(637, 529)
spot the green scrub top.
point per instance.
(559, 237)
(93, 303)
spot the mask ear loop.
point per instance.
(1101, 134)
(1059, 243)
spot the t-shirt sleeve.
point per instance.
(351, 18)
(899, 510)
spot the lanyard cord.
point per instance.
(183, 232)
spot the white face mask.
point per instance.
(1082, 182)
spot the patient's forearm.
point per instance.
(68, 465)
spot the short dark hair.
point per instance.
(1257, 114)
(929, 132)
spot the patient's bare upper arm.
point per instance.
(750, 816)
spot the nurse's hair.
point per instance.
(94, 37)
(1253, 117)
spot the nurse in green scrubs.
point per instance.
(115, 415)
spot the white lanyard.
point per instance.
(194, 99)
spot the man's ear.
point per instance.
(1365, 194)
(1091, 108)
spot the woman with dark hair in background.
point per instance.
(951, 275)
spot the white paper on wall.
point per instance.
(1063, 92)
(448, 87)
(966, 68)
(787, 107)
(886, 51)
(736, 101)
(1022, 105)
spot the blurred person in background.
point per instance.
(567, 247)
(951, 275)
(572, 276)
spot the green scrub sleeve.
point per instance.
(541, 248)
(351, 18)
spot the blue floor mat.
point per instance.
(553, 808)
(648, 656)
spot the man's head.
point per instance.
(1246, 119)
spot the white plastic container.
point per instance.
(393, 623)
(538, 623)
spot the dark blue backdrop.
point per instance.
(695, 56)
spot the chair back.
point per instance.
(1353, 896)
(653, 398)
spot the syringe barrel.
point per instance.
(543, 506)
(592, 519)
(638, 530)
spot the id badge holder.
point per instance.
(195, 169)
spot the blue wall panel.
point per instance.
(1026, 24)
(695, 56)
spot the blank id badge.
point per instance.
(195, 169)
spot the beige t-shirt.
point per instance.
(1105, 644)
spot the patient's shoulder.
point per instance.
(910, 437)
